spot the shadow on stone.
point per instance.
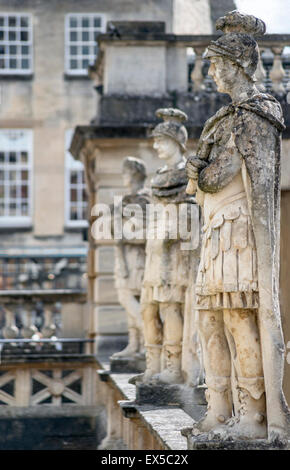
(190, 399)
(127, 365)
(202, 442)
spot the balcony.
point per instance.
(42, 275)
(36, 294)
(184, 81)
(273, 72)
(46, 356)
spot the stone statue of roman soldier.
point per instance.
(167, 264)
(130, 255)
(237, 175)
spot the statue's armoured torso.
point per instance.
(167, 265)
(227, 275)
(133, 249)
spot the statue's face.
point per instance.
(166, 147)
(127, 178)
(224, 73)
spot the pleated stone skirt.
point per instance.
(227, 274)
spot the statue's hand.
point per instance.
(193, 166)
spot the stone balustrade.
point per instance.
(33, 329)
(42, 299)
(46, 273)
(130, 95)
(137, 427)
(273, 71)
(181, 58)
(31, 320)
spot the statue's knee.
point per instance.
(149, 312)
(241, 318)
(209, 323)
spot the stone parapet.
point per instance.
(138, 427)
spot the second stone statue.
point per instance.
(167, 260)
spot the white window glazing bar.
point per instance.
(16, 43)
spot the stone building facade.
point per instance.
(45, 50)
(45, 92)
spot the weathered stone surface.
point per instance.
(194, 443)
(190, 399)
(217, 9)
(107, 344)
(186, 16)
(167, 261)
(121, 64)
(127, 364)
(62, 433)
(138, 27)
(104, 290)
(104, 259)
(130, 257)
(128, 109)
(236, 174)
(110, 317)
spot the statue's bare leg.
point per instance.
(172, 343)
(250, 408)
(217, 364)
(133, 310)
(153, 335)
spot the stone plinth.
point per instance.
(190, 399)
(203, 443)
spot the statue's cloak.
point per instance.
(257, 126)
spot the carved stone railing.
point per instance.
(28, 319)
(32, 327)
(128, 99)
(273, 71)
(31, 274)
(47, 360)
(34, 293)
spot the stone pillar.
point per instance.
(191, 16)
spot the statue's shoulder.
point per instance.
(212, 124)
(266, 107)
(223, 112)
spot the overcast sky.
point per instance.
(275, 13)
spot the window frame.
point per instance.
(67, 56)
(17, 71)
(22, 220)
(82, 223)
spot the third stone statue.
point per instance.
(130, 261)
(237, 175)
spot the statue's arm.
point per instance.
(122, 259)
(220, 172)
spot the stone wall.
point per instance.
(187, 16)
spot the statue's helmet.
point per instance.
(172, 126)
(136, 166)
(238, 43)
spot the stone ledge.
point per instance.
(127, 364)
(198, 443)
(49, 411)
(164, 423)
(47, 359)
(191, 400)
